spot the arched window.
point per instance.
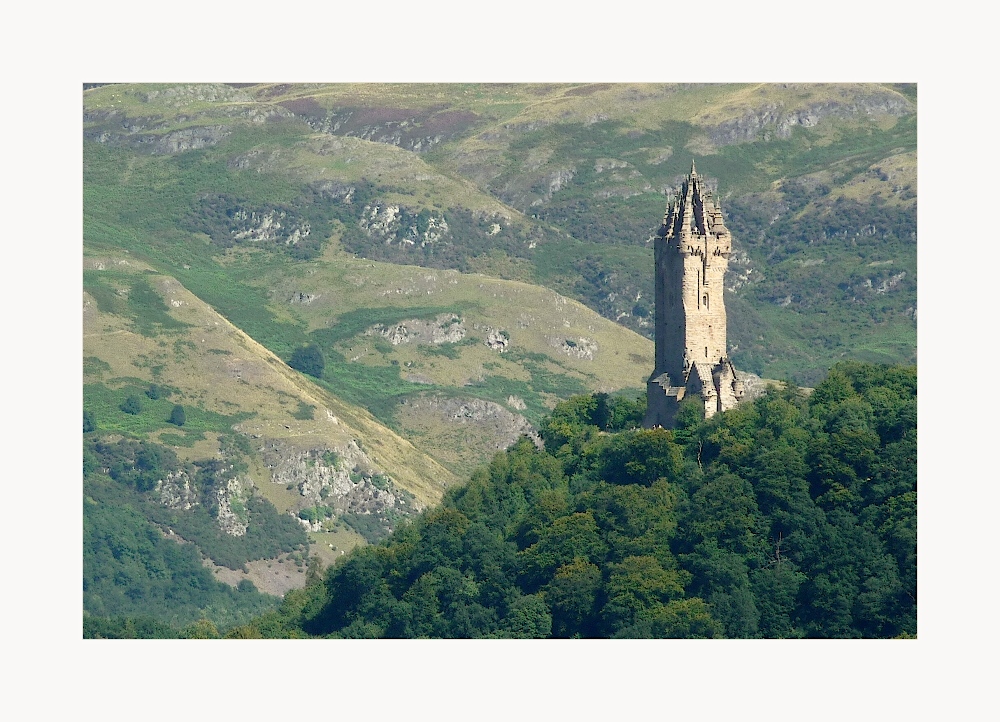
(704, 300)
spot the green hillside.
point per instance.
(787, 517)
(443, 265)
(561, 185)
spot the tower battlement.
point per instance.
(692, 249)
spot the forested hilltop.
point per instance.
(788, 517)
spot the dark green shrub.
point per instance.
(131, 405)
(88, 421)
(305, 412)
(308, 360)
(177, 415)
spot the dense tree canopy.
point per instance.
(790, 516)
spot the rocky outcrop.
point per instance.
(228, 501)
(753, 386)
(268, 226)
(890, 283)
(256, 159)
(741, 272)
(556, 180)
(502, 426)
(131, 133)
(181, 95)
(342, 480)
(396, 225)
(603, 164)
(581, 348)
(773, 120)
(446, 328)
(231, 503)
(180, 141)
(497, 339)
(417, 130)
(149, 132)
(516, 402)
(177, 491)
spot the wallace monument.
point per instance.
(692, 249)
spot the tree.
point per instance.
(690, 413)
(677, 619)
(154, 392)
(246, 586)
(567, 420)
(725, 509)
(88, 421)
(566, 539)
(529, 618)
(572, 594)
(626, 413)
(202, 629)
(314, 571)
(636, 587)
(131, 405)
(601, 414)
(641, 457)
(177, 417)
(653, 533)
(308, 360)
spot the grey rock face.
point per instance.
(176, 491)
(186, 139)
(446, 328)
(501, 425)
(393, 225)
(581, 348)
(343, 479)
(773, 118)
(232, 516)
(497, 340)
(133, 134)
(753, 387)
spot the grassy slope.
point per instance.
(136, 202)
(859, 150)
(654, 133)
(495, 148)
(352, 295)
(224, 379)
(532, 316)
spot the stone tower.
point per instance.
(692, 251)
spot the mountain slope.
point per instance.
(148, 338)
(219, 368)
(446, 249)
(560, 185)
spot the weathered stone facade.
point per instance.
(692, 250)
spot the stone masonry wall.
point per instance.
(692, 253)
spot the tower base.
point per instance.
(717, 385)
